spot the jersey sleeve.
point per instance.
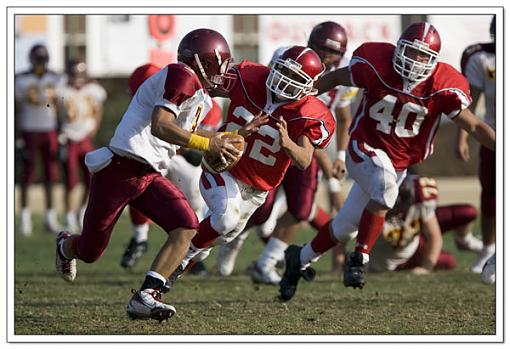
(474, 72)
(180, 84)
(456, 99)
(320, 130)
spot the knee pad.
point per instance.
(202, 255)
(225, 223)
(343, 230)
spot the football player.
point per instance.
(412, 234)
(36, 132)
(297, 123)
(479, 66)
(81, 111)
(162, 116)
(329, 41)
(184, 172)
(406, 91)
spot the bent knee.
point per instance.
(224, 224)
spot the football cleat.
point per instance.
(293, 272)
(488, 275)
(469, 243)
(354, 271)
(146, 304)
(66, 268)
(133, 253)
(483, 256)
(264, 276)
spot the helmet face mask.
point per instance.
(415, 56)
(289, 79)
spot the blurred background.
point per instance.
(114, 45)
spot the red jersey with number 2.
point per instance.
(264, 162)
(397, 117)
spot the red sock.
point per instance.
(206, 234)
(321, 218)
(323, 241)
(370, 227)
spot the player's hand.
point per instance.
(254, 125)
(463, 150)
(339, 169)
(420, 271)
(285, 140)
(224, 147)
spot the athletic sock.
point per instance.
(321, 243)
(153, 281)
(206, 234)
(272, 253)
(370, 228)
(140, 232)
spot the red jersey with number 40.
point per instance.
(264, 162)
(401, 118)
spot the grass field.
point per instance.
(453, 302)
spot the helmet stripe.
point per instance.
(425, 30)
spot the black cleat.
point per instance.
(172, 279)
(354, 271)
(293, 273)
(133, 253)
(198, 269)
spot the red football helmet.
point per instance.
(206, 52)
(417, 50)
(139, 75)
(329, 40)
(293, 74)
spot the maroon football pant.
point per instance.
(75, 161)
(449, 217)
(300, 187)
(46, 144)
(125, 181)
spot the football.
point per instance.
(216, 164)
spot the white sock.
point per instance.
(192, 252)
(488, 249)
(156, 276)
(51, 215)
(273, 252)
(26, 214)
(140, 232)
(308, 255)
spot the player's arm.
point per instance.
(343, 122)
(477, 128)
(164, 127)
(432, 232)
(301, 152)
(334, 184)
(337, 77)
(462, 147)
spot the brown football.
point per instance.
(216, 164)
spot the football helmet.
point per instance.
(294, 73)
(139, 75)
(206, 52)
(76, 71)
(329, 41)
(418, 47)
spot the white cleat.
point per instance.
(66, 268)
(227, 255)
(488, 275)
(264, 276)
(483, 256)
(469, 243)
(146, 304)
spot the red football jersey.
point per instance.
(264, 163)
(397, 117)
(212, 119)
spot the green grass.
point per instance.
(448, 302)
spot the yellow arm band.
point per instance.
(198, 142)
(232, 132)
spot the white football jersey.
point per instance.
(78, 107)
(401, 234)
(36, 98)
(480, 70)
(176, 88)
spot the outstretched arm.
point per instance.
(337, 77)
(477, 128)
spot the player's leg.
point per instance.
(487, 176)
(85, 147)
(71, 183)
(460, 218)
(161, 197)
(300, 187)
(49, 150)
(138, 244)
(27, 178)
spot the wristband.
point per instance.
(341, 155)
(334, 185)
(198, 142)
